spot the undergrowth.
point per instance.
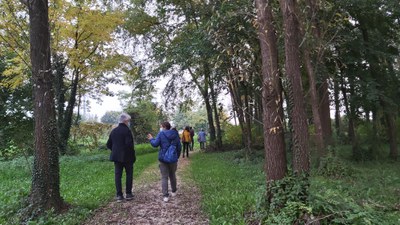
(339, 192)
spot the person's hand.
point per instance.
(149, 136)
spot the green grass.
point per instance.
(229, 189)
(87, 182)
(371, 195)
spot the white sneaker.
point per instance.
(173, 194)
(165, 199)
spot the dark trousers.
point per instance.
(186, 149)
(118, 168)
(192, 145)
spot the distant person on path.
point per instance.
(186, 140)
(163, 139)
(191, 136)
(202, 138)
(120, 142)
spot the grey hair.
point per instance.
(124, 117)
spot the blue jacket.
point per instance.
(120, 143)
(164, 140)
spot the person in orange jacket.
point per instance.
(186, 140)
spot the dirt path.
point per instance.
(147, 207)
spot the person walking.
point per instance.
(201, 137)
(191, 130)
(120, 142)
(164, 139)
(186, 140)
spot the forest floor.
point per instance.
(148, 207)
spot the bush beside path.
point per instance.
(147, 207)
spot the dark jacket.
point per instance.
(164, 140)
(120, 143)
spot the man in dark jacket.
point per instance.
(164, 139)
(122, 154)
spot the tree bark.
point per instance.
(319, 139)
(274, 143)
(218, 140)
(301, 158)
(337, 107)
(45, 190)
(392, 134)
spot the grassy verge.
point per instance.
(228, 188)
(231, 189)
(87, 182)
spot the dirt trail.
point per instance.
(147, 207)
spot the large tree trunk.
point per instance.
(301, 157)
(45, 191)
(274, 143)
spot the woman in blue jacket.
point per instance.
(164, 139)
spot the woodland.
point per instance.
(311, 128)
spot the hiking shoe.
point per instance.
(165, 199)
(129, 196)
(119, 198)
(173, 194)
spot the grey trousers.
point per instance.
(168, 170)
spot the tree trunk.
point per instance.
(216, 117)
(247, 117)
(45, 191)
(319, 139)
(67, 123)
(337, 106)
(274, 143)
(325, 112)
(301, 158)
(59, 69)
(392, 134)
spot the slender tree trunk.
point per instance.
(392, 134)
(216, 117)
(319, 140)
(247, 119)
(45, 191)
(337, 107)
(325, 112)
(67, 123)
(59, 68)
(274, 143)
(301, 157)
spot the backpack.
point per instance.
(170, 155)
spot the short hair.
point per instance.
(166, 125)
(124, 117)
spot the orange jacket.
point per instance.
(186, 136)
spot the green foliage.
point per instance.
(89, 133)
(146, 118)
(11, 151)
(334, 167)
(285, 201)
(87, 183)
(110, 117)
(233, 135)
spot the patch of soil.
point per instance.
(147, 206)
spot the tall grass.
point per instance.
(87, 182)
